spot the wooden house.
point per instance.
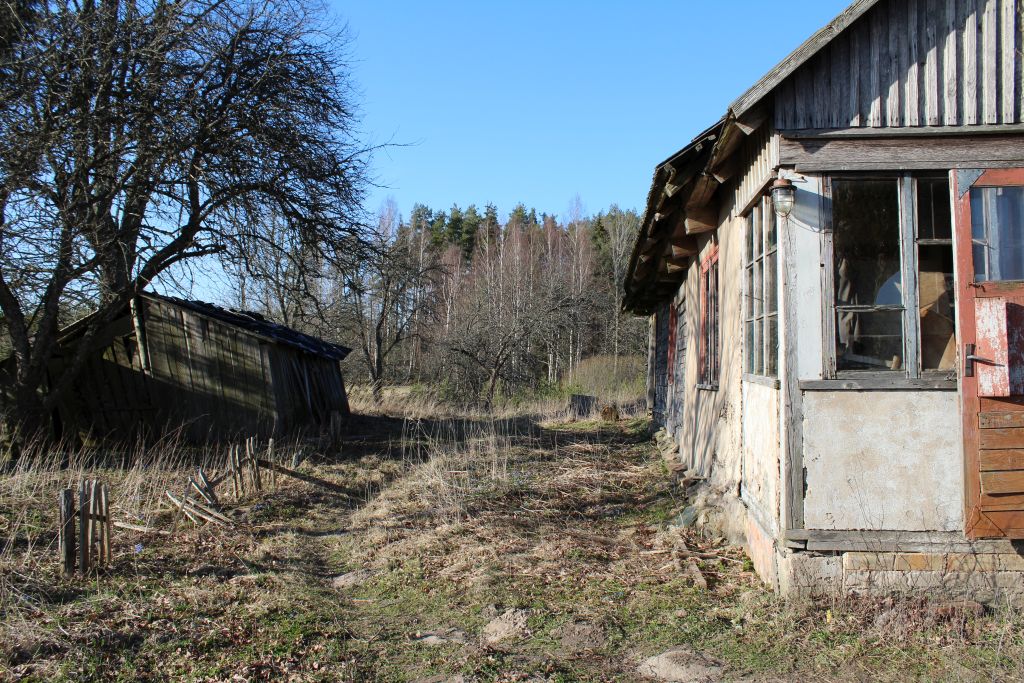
(844, 367)
(168, 363)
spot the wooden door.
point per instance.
(989, 246)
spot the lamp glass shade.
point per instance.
(783, 198)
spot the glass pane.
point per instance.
(758, 294)
(757, 237)
(750, 347)
(934, 221)
(756, 350)
(770, 229)
(866, 242)
(869, 340)
(771, 303)
(772, 353)
(936, 299)
(997, 224)
(749, 307)
(751, 219)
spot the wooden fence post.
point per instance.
(67, 530)
(84, 520)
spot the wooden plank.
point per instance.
(930, 83)
(1009, 58)
(66, 505)
(84, 527)
(969, 52)
(1001, 420)
(839, 53)
(1002, 459)
(1002, 438)
(950, 72)
(912, 96)
(990, 151)
(916, 132)
(1008, 481)
(853, 540)
(868, 77)
(701, 219)
(989, 64)
(1008, 524)
(854, 78)
(822, 69)
(878, 71)
(894, 112)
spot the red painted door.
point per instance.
(990, 310)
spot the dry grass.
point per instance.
(441, 522)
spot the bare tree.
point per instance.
(621, 228)
(137, 136)
(383, 293)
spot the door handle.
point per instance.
(970, 359)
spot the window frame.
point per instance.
(756, 322)
(710, 356)
(911, 372)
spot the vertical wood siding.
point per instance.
(758, 158)
(913, 63)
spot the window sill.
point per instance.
(707, 387)
(772, 382)
(877, 383)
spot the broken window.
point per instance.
(709, 322)
(868, 288)
(881, 229)
(934, 229)
(761, 310)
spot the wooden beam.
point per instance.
(681, 247)
(752, 120)
(701, 219)
(727, 168)
(674, 265)
(912, 153)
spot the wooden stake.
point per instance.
(95, 549)
(270, 458)
(66, 501)
(107, 522)
(83, 527)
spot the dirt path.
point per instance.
(464, 551)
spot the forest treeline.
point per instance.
(474, 306)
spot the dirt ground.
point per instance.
(467, 550)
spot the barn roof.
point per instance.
(257, 324)
(248, 321)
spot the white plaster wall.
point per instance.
(761, 451)
(883, 460)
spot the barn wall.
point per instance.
(677, 388)
(710, 434)
(912, 63)
(111, 395)
(660, 365)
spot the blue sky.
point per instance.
(540, 101)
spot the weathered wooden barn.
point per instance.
(168, 363)
(835, 277)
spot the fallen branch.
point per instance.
(143, 529)
(309, 479)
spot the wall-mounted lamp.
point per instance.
(783, 196)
